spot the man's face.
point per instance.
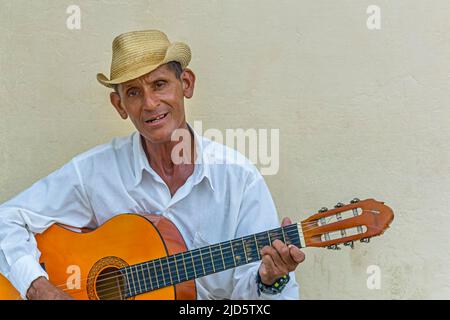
(155, 102)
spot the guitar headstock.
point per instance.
(359, 220)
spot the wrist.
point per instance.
(276, 287)
(35, 286)
(267, 281)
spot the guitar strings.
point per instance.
(194, 255)
(143, 284)
(197, 252)
(187, 270)
(120, 295)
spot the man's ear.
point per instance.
(188, 80)
(115, 101)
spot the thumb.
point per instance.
(286, 221)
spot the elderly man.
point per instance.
(209, 200)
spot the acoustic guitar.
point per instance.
(134, 256)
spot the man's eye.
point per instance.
(160, 84)
(132, 92)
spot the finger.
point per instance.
(284, 252)
(296, 254)
(268, 267)
(286, 221)
(279, 264)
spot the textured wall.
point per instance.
(361, 112)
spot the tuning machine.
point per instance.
(355, 200)
(349, 244)
(333, 247)
(365, 240)
(339, 204)
(323, 209)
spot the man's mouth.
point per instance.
(157, 118)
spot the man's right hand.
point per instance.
(42, 289)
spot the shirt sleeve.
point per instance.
(258, 213)
(58, 198)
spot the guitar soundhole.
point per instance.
(110, 284)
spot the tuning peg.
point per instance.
(366, 240)
(339, 204)
(355, 200)
(333, 247)
(349, 244)
(323, 209)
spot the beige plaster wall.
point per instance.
(361, 112)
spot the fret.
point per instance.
(176, 267)
(221, 253)
(170, 272)
(201, 260)
(184, 264)
(257, 247)
(172, 265)
(293, 235)
(143, 277)
(228, 257)
(207, 260)
(130, 292)
(284, 236)
(245, 251)
(197, 261)
(166, 272)
(193, 264)
(133, 274)
(239, 254)
(261, 240)
(181, 266)
(156, 274)
(149, 275)
(217, 258)
(275, 235)
(189, 266)
(212, 260)
(265, 239)
(162, 272)
(252, 248)
(232, 253)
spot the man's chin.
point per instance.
(157, 136)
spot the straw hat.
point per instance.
(140, 52)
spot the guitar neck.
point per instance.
(197, 263)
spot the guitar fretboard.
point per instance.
(180, 267)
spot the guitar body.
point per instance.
(77, 262)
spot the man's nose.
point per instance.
(151, 100)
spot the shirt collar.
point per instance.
(201, 162)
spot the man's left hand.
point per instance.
(279, 259)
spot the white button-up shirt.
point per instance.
(225, 198)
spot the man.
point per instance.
(208, 199)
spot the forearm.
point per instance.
(42, 289)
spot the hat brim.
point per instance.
(177, 51)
